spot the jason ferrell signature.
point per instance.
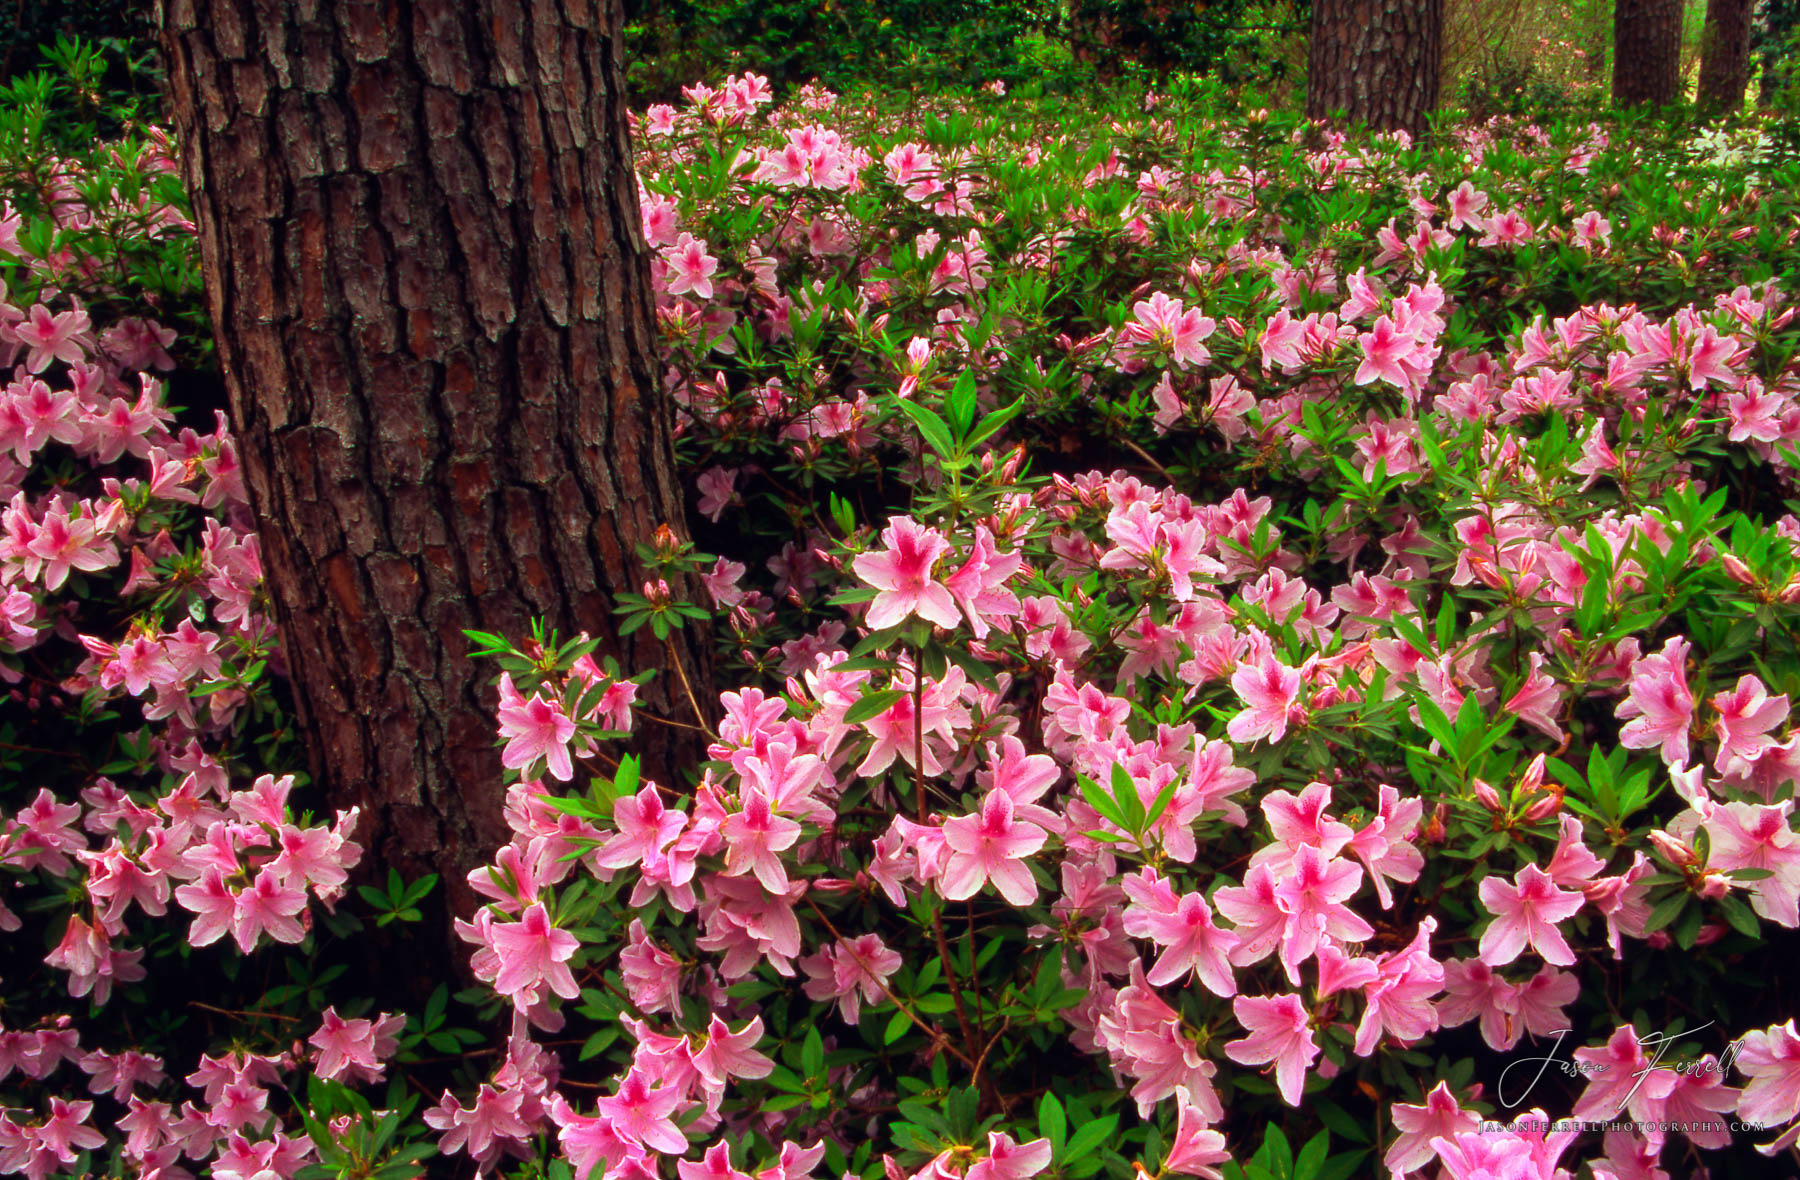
(1655, 1047)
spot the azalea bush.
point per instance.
(1244, 652)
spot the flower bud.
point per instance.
(1533, 778)
(1736, 570)
(1488, 797)
(1790, 593)
(1545, 806)
(1434, 827)
(1672, 849)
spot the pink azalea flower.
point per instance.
(268, 906)
(1386, 349)
(1442, 1117)
(903, 573)
(728, 1054)
(64, 336)
(354, 1048)
(1525, 914)
(1771, 1060)
(534, 729)
(1620, 1075)
(753, 836)
(1399, 997)
(691, 267)
(1280, 1032)
(1270, 691)
(1756, 836)
(1184, 926)
(990, 846)
(1467, 204)
(1481, 1154)
(645, 829)
(1260, 920)
(1311, 895)
(1010, 1160)
(852, 971)
(532, 951)
(1659, 707)
(1194, 1147)
(644, 1114)
(714, 1165)
(1747, 716)
(1163, 325)
(482, 1128)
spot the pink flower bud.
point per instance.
(1533, 778)
(1674, 850)
(1488, 797)
(1544, 807)
(1736, 570)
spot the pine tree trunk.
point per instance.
(1647, 52)
(1725, 57)
(1378, 61)
(419, 233)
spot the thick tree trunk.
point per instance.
(1725, 57)
(1378, 61)
(419, 230)
(1646, 52)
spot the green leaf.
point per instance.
(1339, 1120)
(1100, 801)
(1125, 794)
(1160, 804)
(1342, 1167)
(961, 403)
(1275, 1154)
(1312, 1156)
(626, 781)
(1053, 1123)
(1665, 912)
(1739, 915)
(994, 421)
(934, 429)
(1091, 1135)
(872, 705)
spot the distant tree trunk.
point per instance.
(419, 233)
(1378, 61)
(1725, 57)
(1647, 52)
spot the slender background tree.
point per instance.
(1725, 57)
(1378, 61)
(420, 238)
(1647, 52)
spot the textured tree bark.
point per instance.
(1378, 61)
(1725, 57)
(1646, 52)
(419, 231)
